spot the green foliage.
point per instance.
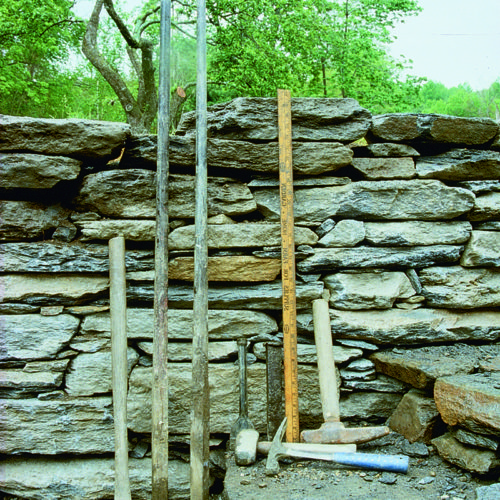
(459, 101)
(313, 47)
(36, 40)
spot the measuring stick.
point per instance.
(288, 266)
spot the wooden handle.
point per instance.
(118, 308)
(326, 363)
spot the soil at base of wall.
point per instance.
(429, 478)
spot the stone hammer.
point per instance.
(392, 463)
(332, 430)
(248, 445)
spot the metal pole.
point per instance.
(159, 437)
(200, 425)
(118, 310)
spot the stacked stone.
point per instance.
(402, 231)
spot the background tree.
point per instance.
(37, 38)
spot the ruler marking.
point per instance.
(288, 266)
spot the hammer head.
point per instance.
(276, 451)
(336, 433)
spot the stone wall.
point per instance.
(402, 230)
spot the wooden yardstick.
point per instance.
(288, 266)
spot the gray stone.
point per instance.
(349, 375)
(32, 336)
(486, 207)
(312, 159)
(90, 374)
(54, 427)
(239, 235)
(31, 171)
(58, 257)
(368, 290)
(131, 194)
(358, 344)
(255, 118)
(387, 149)
(380, 384)
(385, 168)
(418, 326)
(422, 366)
(325, 227)
(473, 439)
(460, 165)
(491, 492)
(182, 352)
(71, 137)
(48, 289)
(362, 257)
(415, 417)
(24, 220)
(6, 308)
(307, 353)
(472, 459)
(480, 187)
(106, 229)
(74, 478)
(379, 200)
(261, 296)
(246, 446)
(470, 401)
(41, 376)
(488, 226)
(223, 325)
(346, 233)
(461, 288)
(483, 249)
(225, 398)
(433, 128)
(262, 182)
(360, 365)
(416, 233)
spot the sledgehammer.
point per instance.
(332, 430)
(392, 463)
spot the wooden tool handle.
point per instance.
(326, 363)
(118, 310)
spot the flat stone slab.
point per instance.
(24, 220)
(421, 367)
(58, 257)
(54, 427)
(33, 171)
(417, 233)
(308, 158)
(35, 337)
(131, 193)
(329, 259)
(73, 478)
(371, 200)
(53, 289)
(482, 250)
(255, 118)
(71, 137)
(456, 287)
(262, 296)
(433, 128)
(242, 235)
(460, 165)
(466, 457)
(471, 401)
(417, 326)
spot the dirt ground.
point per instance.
(428, 478)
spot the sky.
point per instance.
(450, 41)
(453, 42)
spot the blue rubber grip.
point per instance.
(390, 463)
